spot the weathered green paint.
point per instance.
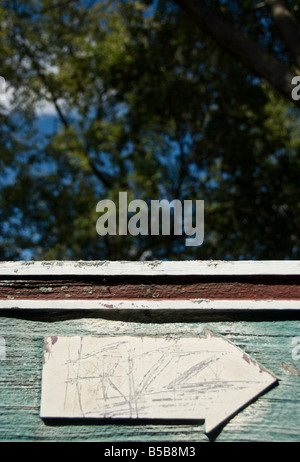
(273, 417)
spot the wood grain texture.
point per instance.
(267, 336)
(151, 287)
(273, 417)
(150, 268)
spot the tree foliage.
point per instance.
(268, 43)
(145, 102)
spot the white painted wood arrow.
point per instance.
(199, 378)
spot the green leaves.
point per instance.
(144, 103)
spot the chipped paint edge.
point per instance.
(150, 268)
(207, 332)
(211, 423)
(193, 304)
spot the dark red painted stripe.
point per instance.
(215, 288)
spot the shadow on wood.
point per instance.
(153, 316)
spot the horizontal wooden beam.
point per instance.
(150, 268)
(263, 287)
(196, 304)
(157, 285)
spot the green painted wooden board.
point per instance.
(273, 417)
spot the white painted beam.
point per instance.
(196, 304)
(151, 268)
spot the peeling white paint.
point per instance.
(108, 304)
(151, 268)
(191, 378)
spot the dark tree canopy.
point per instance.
(268, 43)
(156, 101)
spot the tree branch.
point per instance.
(182, 163)
(54, 6)
(240, 47)
(288, 27)
(36, 66)
(107, 182)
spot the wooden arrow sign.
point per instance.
(199, 378)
